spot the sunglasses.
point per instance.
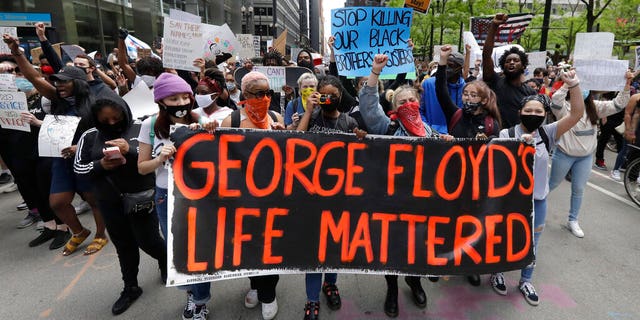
(261, 94)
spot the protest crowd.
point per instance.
(118, 150)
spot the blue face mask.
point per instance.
(24, 85)
(585, 94)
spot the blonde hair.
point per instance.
(307, 76)
(394, 98)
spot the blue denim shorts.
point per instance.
(63, 179)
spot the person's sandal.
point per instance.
(96, 245)
(75, 241)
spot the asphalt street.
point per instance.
(591, 278)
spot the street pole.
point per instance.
(100, 27)
(545, 25)
(433, 19)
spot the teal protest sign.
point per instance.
(362, 32)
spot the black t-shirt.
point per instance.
(509, 98)
(320, 123)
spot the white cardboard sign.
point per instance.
(277, 76)
(12, 105)
(593, 45)
(140, 100)
(601, 75)
(182, 44)
(56, 133)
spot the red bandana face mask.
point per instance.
(409, 116)
(256, 110)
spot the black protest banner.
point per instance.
(362, 32)
(260, 202)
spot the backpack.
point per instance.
(235, 118)
(542, 133)
(488, 122)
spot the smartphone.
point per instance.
(112, 153)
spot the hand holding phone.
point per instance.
(112, 153)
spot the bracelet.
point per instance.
(376, 73)
(573, 86)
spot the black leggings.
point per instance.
(266, 286)
(130, 232)
(392, 282)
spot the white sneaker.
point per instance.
(251, 299)
(269, 310)
(8, 187)
(40, 225)
(615, 175)
(574, 227)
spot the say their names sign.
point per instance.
(362, 32)
(251, 202)
(181, 44)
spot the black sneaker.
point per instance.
(529, 293)
(189, 308)
(201, 312)
(311, 310)
(60, 239)
(333, 296)
(46, 235)
(474, 280)
(5, 178)
(497, 283)
(127, 297)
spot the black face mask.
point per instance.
(306, 64)
(453, 73)
(178, 111)
(531, 122)
(329, 108)
(112, 131)
(470, 108)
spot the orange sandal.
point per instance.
(75, 241)
(96, 245)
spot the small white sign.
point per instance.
(593, 45)
(601, 75)
(277, 76)
(56, 133)
(12, 105)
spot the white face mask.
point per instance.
(148, 80)
(204, 100)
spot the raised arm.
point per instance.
(47, 48)
(45, 88)
(487, 49)
(372, 114)
(467, 61)
(577, 103)
(442, 92)
(123, 62)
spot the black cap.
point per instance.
(69, 73)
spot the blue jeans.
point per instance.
(539, 215)
(313, 282)
(622, 154)
(580, 170)
(201, 291)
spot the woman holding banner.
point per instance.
(533, 111)
(256, 115)
(406, 121)
(175, 100)
(69, 95)
(575, 150)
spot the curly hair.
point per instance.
(272, 55)
(523, 57)
(149, 66)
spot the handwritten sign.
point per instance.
(362, 32)
(12, 105)
(593, 45)
(8, 82)
(140, 100)
(277, 76)
(247, 49)
(56, 133)
(11, 31)
(418, 5)
(537, 59)
(257, 46)
(218, 40)
(331, 202)
(182, 44)
(601, 75)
